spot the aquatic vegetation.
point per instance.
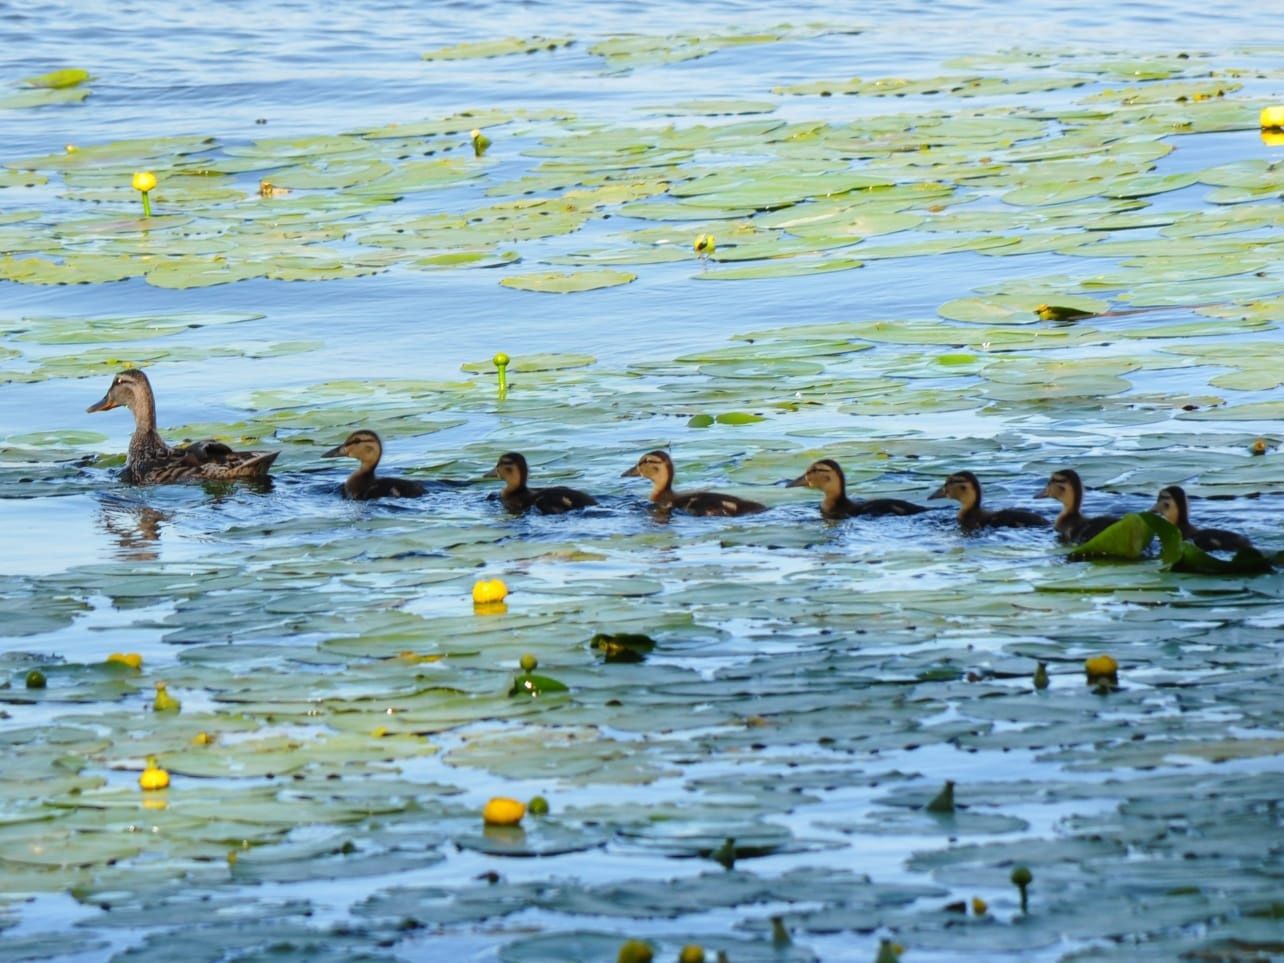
(773, 692)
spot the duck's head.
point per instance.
(1171, 504)
(362, 445)
(1065, 487)
(963, 487)
(129, 389)
(825, 475)
(512, 468)
(655, 465)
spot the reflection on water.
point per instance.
(136, 528)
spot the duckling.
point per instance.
(517, 498)
(1072, 525)
(658, 467)
(964, 488)
(363, 484)
(152, 462)
(829, 478)
(1172, 505)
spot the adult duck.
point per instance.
(152, 462)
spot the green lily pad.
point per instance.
(575, 281)
(58, 79)
(507, 47)
(1126, 539)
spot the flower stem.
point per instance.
(147, 203)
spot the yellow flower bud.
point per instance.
(1101, 668)
(153, 777)
(502, 811)
(144, 181)
(489, 590)
(1273, 117)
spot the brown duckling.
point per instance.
(363, 484)
(658, 467)
(1172, 505)
(827, 476)
(965, 489)
(152, 462)
(518, 498)
(1072, 525)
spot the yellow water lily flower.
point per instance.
(153, 777)
(705, 244)
(1273, 117)
(1101, 668)
(144, 181)
(503, 811)
(131, 660)
(489, 590)
(164, 702)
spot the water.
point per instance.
(814, 683)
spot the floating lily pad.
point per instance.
(555, 283)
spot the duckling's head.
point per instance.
(1065, 487)
(362, 445)
(825, 475)
(655, 465)
(128, 388)
(1171, 504)
(963, 487)
(512, 468)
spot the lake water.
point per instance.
(345, 711)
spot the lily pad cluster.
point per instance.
(800, 688)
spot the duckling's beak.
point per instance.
(493, 473)
(630, 473)
(336, 452)
(104, 404)
(1046, 492)
(939, 493)
(799, 482)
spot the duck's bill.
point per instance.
(336, 452)
(493, 473)
(1044, 492)
(104, 404)
(630, 472)
(799, 482)
(939, 493)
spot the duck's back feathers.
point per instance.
(1077, 529)
(1012, 518)
(877, 507)
(711, 504)
(559, 500)
(973, 518)
(200, 461)
(378, 486)
(1218, 540)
